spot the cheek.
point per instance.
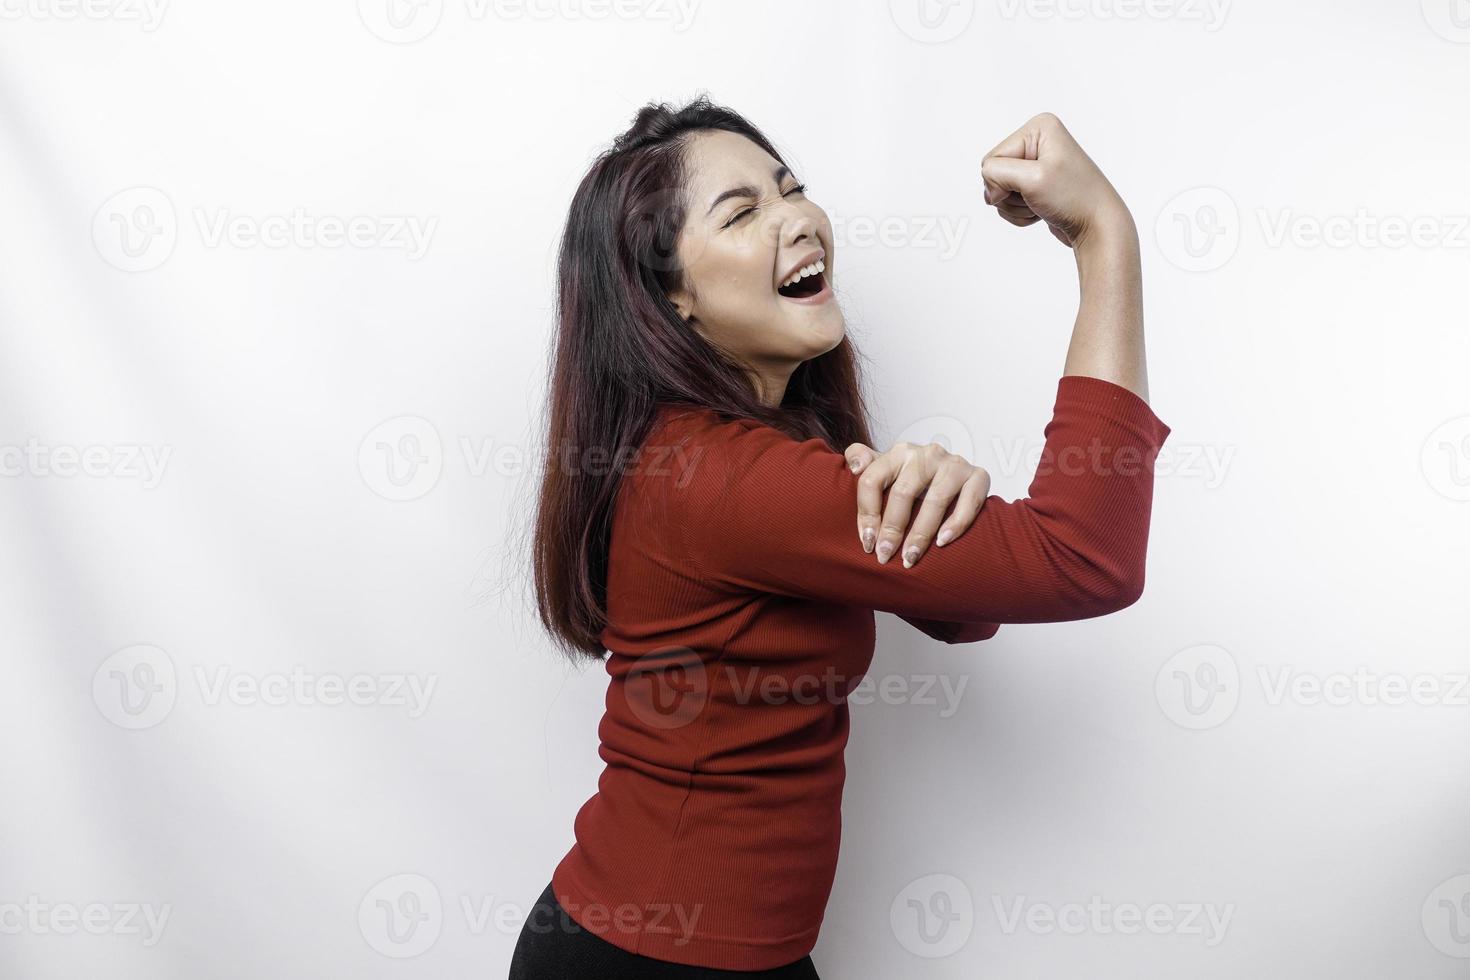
(745, 278)
(733, 278)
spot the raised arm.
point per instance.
(763, 512)
(1038, 173)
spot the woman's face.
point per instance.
(749, 229)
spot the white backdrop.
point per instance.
(273, 327)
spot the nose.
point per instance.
(799, 228)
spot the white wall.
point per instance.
(1309, 525)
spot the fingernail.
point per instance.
(868, 540)
(944, 537)
(854, 465)
(885, 551)
(909, 557)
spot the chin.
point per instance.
(826, 331)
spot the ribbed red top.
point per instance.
(740, 616)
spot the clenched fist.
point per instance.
(1040, 173)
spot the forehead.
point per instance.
(717, 160)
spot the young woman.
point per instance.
(705, 456)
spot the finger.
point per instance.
(967, 506)
(937, 499)
(1015, 209)
(858, 456)
(1023, 144)
(1021, 222)
(876, 478)
(1011, 200)
(1009, 174)
(1019, 216)
(998, 196)
(900, 508)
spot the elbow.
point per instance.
(1121, 590)
(972, 632)
(1116, 571)
(1101, 565)
(1105, 580)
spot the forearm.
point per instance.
(1107, 338)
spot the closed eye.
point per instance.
(746, 212)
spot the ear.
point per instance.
(684, 302)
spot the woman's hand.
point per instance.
(912, 472)
(1040, 173)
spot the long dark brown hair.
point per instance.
(621, 348)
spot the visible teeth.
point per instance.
(802, 273)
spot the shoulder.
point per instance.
(677, 425)
(704, 426)
(725, 448)
(698, 462)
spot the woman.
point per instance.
(696, 522)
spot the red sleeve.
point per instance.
(948, 632)
(763, 512)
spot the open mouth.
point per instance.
(805, 287)
(810, 281)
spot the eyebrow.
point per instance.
(780, 174)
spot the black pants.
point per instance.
(552, 946)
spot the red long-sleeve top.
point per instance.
(740, 617)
